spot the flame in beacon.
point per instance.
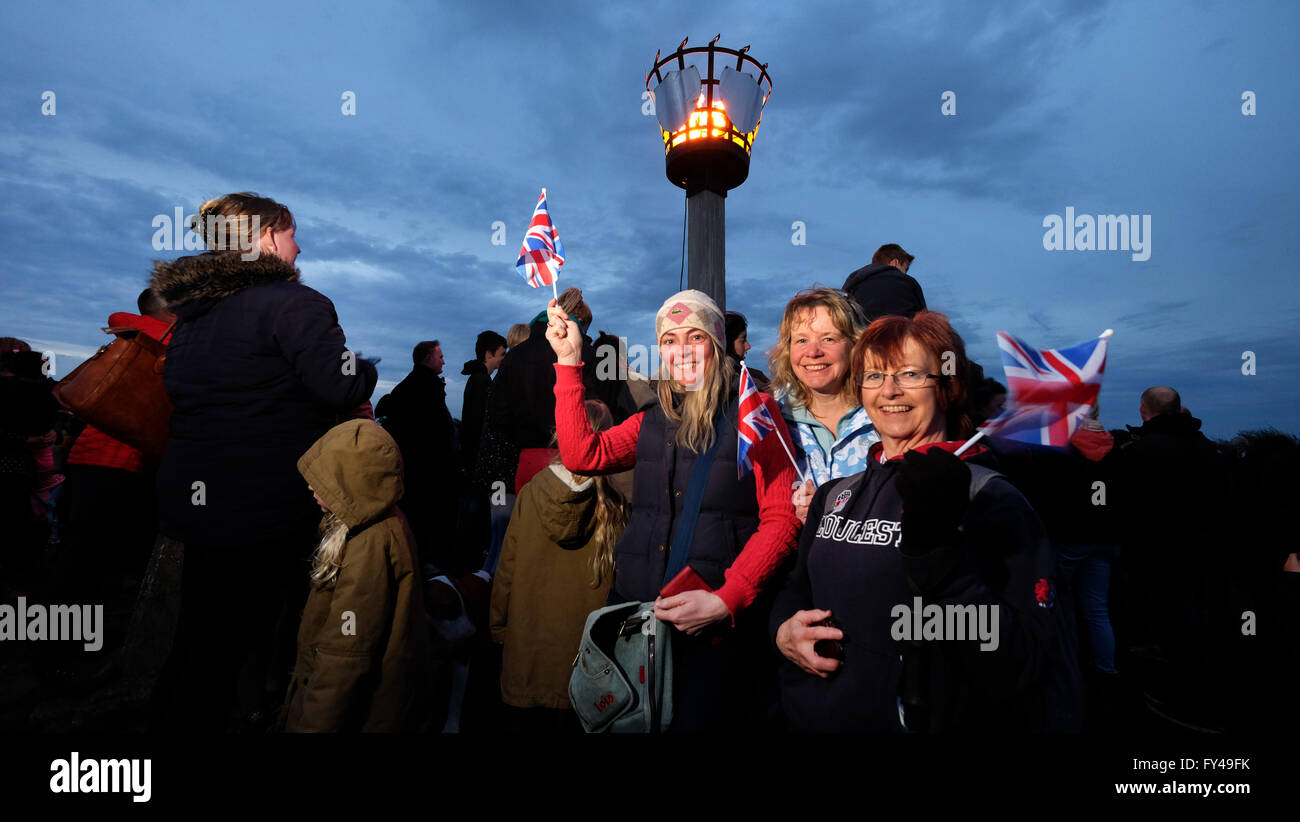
(698, 127)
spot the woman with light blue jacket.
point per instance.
(811, 382)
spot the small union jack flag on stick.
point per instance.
(1049, 391)
(754, 424)
(542, 255)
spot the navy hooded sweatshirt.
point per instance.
(849, 562)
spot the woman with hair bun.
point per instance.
(257, 370)
(746, 527)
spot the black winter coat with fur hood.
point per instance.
(258, 370)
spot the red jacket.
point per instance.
(614, 449)
(94, 447)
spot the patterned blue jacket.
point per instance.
(848, 454)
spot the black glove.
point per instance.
(935, 487)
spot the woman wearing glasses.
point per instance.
(922, 532)
(810, 366)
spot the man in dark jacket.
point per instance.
(416, 414)
(1171, 482)
(884, 288)
(489, 351)
(475, 526)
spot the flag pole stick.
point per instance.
(968, 444)
(1105, 335)
(555, 292)
(802, 478)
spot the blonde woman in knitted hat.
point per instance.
(746, 527)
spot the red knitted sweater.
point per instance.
(614, 449)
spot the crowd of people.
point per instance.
(345, 567)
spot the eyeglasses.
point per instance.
(903, 379)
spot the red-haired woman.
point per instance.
(936, 572)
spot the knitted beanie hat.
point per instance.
(691, 309)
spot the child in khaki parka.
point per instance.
(363, 644)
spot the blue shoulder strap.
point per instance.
(680, 547)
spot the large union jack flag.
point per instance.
(1050, 390)
(542, 254)
(755, 422)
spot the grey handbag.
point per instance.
(622, 676)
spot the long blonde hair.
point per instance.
(611, 519)
(328, 559)
(694, 411)
(611, 506)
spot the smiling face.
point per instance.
(687, 353)
(905, 417)
(819, 353)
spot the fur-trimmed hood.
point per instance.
(215, 275)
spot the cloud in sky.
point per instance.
(465, 110)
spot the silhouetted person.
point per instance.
(109, 507)
(987, 401)
(27, 414)
(884, 287)
(1171, 491)
(489, 351)
(416, 414)
(738, 346)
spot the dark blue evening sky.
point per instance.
(465, 110)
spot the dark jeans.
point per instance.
(500, 521)
(1088, 568)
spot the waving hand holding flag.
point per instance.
(542, 254)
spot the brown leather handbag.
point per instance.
(120, 390)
